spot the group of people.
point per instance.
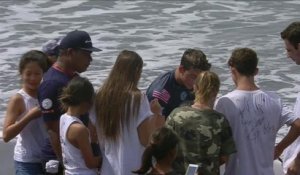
(64, 126)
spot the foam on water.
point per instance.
(159, 31)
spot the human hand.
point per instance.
(34, 113)
(155, 106)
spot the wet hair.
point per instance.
(245, 60)
(194, 59)
(292, 34)
(118, 99)
(77, 91)
(207, 83)
(162, 142)
(33, 56)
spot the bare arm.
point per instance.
(224, 159)
(293, 133)
(15, 108)
(78, 135)
(53, 131)
(149, 125)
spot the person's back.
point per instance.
(75, 138)
(205, 133)
(122, 116)
(255, 118)
(254, 115)
(123, 155)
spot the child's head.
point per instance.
(206, 86)
(244, 60)
(79, 91)
(192, 63)
(35, 56)
(32, 65)
(163, 146)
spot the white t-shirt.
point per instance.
(291, 152)
(72, 158)
(255, 117)
(123, 156)
(31, 139)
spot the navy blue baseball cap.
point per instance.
(78, 39)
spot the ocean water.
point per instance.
(159, 31)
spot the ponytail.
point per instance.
(146, 160)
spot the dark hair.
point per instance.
(244, 60)
(194, 59)
(78, 90)
(292, 34)
(33, 56)
(162, 142)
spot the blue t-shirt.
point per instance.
(169, 93)
(50, 89)
(54, 80)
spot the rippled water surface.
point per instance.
(159, 31)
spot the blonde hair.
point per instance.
(207, 83)
(118, 100)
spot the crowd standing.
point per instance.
(64, 127)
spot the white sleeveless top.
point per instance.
(72, 158)
(31, 139)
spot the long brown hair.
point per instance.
(118, 99)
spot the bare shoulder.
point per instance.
(78, 130)
(16, 103)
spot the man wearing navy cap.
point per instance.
(74, 57)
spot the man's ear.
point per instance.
(69, 51)
(256, 71)
(232, 70)
(181, 69)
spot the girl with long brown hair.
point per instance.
(124, 118)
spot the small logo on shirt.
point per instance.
(47, 103)
(162, 95)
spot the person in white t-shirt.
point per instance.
(255, 116)
(291, 38)
(23, 118)
(123, 117)
(77, 99)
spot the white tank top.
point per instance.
(72, 158)
(31, 139)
